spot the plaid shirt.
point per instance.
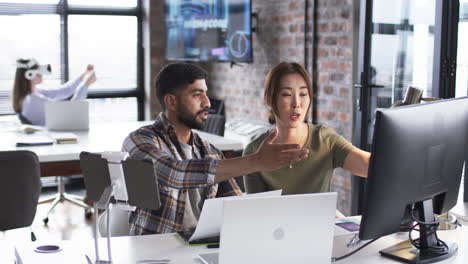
(158, 142)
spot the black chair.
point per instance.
(61, 195)
(216, 118)
(215, 124)
(20, 188)
(217, 106)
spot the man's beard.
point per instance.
(190, 120)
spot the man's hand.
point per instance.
(272, 156)
(269, 156)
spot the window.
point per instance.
(89, 38)
(461, 87)
(69, 34)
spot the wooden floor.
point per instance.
(66, 222)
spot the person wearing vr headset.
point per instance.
(28, 100)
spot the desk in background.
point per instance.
(63, 159)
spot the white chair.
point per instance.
(118, 221)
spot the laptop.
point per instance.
(286, 229)
(67, 115)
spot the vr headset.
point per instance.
(31, 73)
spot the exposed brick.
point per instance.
(293, 6)
(329, 89)
(345, 41)
(344, 92)
(285, 40)
(323, 77)
(337, 76)
(346, 13)
(322, 52)
(337, 104)
(336, 3)
(344, 117)
(294, 28)
(323, 27)
(330, 40)
(329, 65)
(345, 66)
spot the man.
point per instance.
(189, 169)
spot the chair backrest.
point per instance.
(24, 120)
(217, 106)
(215, 124)
(19, 189)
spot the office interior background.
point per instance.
(362, 55)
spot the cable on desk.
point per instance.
(354, 251)
(432, 226)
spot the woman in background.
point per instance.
(28, 100)
(288, 95)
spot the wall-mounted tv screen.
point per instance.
(208, 30)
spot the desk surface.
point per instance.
(168, 246)
(99, 138)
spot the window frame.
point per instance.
(63, 9)
(443, 82)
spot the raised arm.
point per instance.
(357, 162)
(269, 157)
(196, 173)
(70, 88)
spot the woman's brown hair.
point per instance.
(21, 86)
(272, 84)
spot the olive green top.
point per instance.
(328, 150)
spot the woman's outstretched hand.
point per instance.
(91, 78)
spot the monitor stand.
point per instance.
(407, 253)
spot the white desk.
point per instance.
(63, 159)
(168, 246)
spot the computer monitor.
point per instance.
(416, 166)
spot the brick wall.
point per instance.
(333, 71)
(157, 48)
(280, 37)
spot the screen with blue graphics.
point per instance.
(208, 30)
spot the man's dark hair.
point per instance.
(176, 76)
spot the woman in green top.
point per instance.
(288, 95)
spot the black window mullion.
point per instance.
(64, 59)
(140, 67)
(103, 11)
(114, 94)
(445, 57)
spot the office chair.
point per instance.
(217, 106)
(24, 120)
(215, 124)
(61, 196)
(216, 118)
(20, 188)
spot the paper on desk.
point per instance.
(354, 222)
(209, 223)
(33, 140)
